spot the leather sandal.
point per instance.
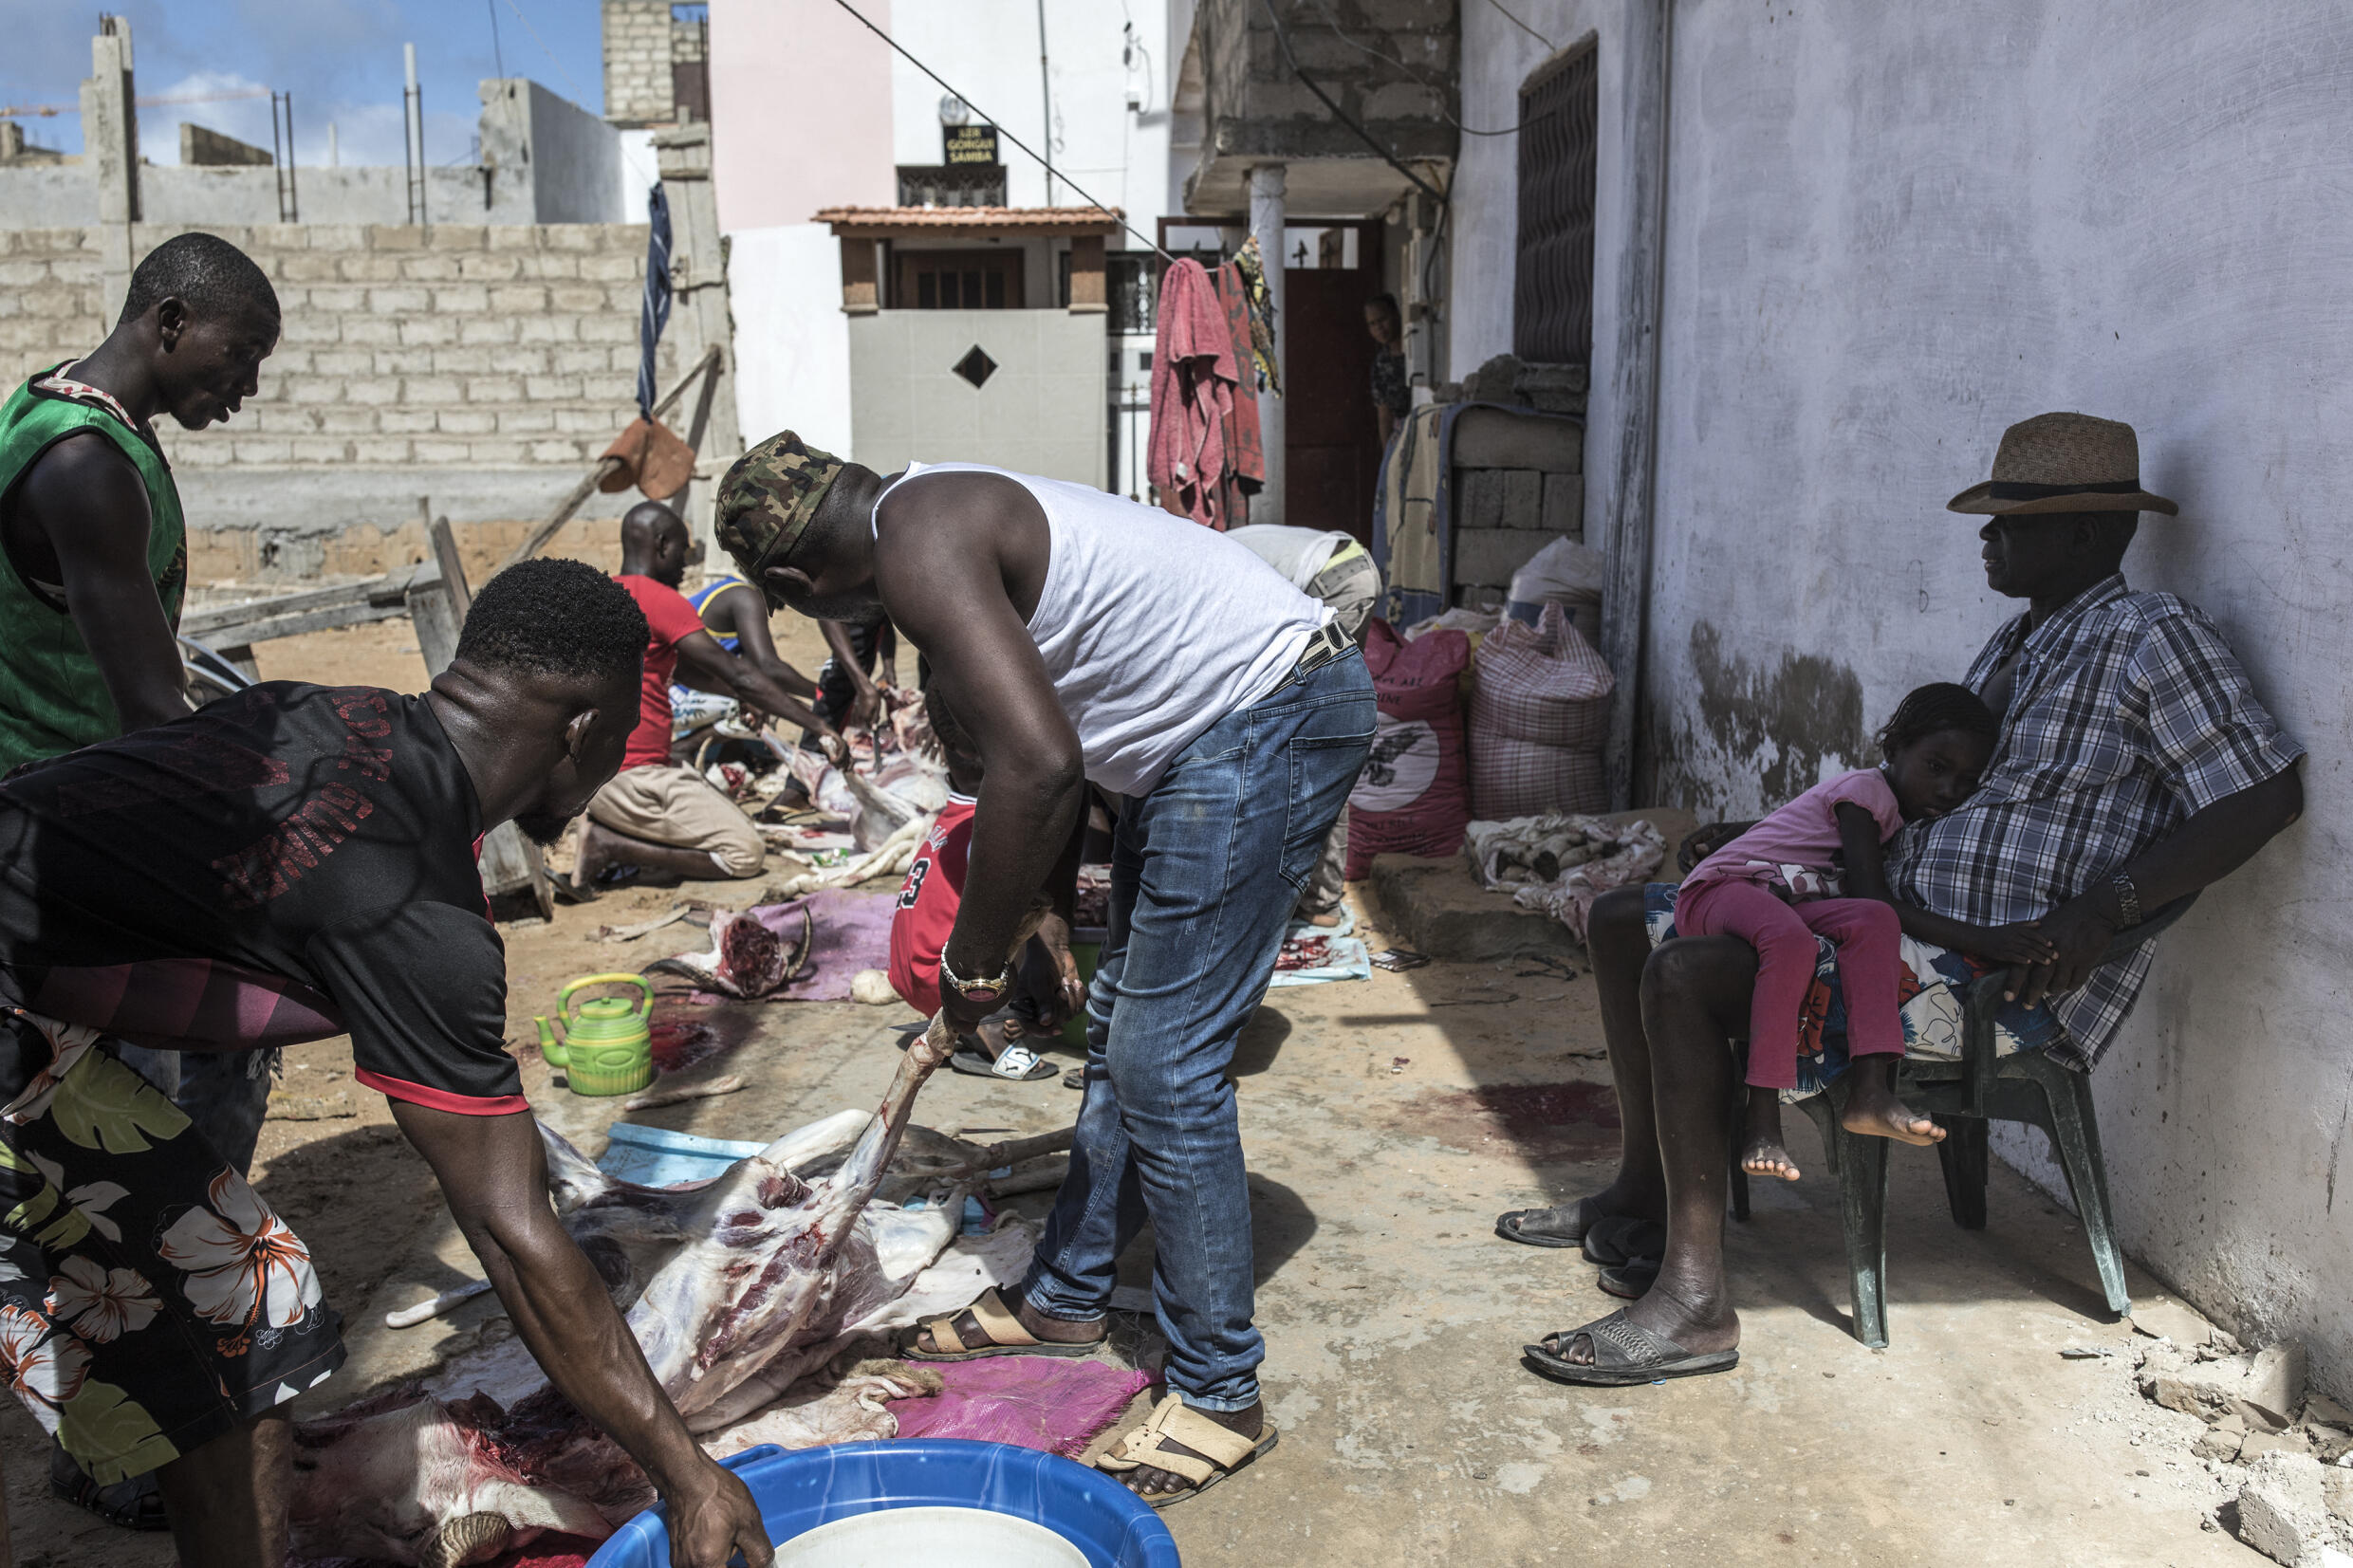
(1006, 1336)
(1217, 1451)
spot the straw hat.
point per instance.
(2063, 463)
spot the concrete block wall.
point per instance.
(639, 44)
(487, 366)
(1518, 485)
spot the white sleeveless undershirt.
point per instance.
(1152, 627)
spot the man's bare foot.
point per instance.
(1699, 1320)
(1761, 1149)
(1873, 1111)
(1054, 1331)
(1145, 1482)
(1327, 919)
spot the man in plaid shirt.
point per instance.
(2136, 767)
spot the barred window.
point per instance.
(1552, 292)
(952, 185)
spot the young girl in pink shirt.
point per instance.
(1815, 867)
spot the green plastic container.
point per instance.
(607, 1046)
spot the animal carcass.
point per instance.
(735, 1290)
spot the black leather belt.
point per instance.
(1327, 644)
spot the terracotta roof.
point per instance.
(882, 222)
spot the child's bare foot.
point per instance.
(1872, 1110)
(1761, 1151)
(1327, 920)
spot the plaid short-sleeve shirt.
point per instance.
(2127, 714)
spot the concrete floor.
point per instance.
(1387, 1122)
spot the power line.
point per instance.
(1333, 22)
(1524, 27)
(498, 57)
(1045, 162)
(580, 94)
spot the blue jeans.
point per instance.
(1204, 872)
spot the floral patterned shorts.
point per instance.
(149, 1301)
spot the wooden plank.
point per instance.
(268, 627)
(387, 589)
(452, 570)
(510, 863)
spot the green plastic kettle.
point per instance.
(607, 1046)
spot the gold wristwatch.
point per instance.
(975, 991)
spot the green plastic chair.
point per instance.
(1965, 1096)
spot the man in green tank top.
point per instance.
(96, 550)
(93, 565)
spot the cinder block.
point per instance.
(498, 451)
(372, 266)
(611, 327)
(382, 449)
(394, 237)
(458, 236)
(374, 392)
(403, 361)
(612, 267)
(307, 266)
(487, 331)
(580, 360)
(257, 449)
(343, 419)
(511, 360)
(428, 331)
(489, 267)
(315, 389)
(555, 451)
(464, 421)
(438, 450)
(469, 299)
(406, 421)
(336, 236)
(1565, 504)
(461, 360)
(278, 237)
(581, 421)
(400, 301)
(527, 421)
(514, 236)
(321, 448)
(625, 296)
(493, 389)
(570, 236)
(551, 265)
(624, 357)
(340, 362)
(1478, 498)
(283, 362)
(575, 298)
(546, 329)
(213, 453)
(549, 389)
(1494, 438)
(429, 266)
(1523, 498)
(311, 328)
(521, 299)
(433, 389)
(372, 331)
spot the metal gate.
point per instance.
(1552, 289)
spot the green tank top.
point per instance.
(52, 698)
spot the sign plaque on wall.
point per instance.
(970, 143)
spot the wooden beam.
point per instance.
(1087, 296)
(452, 570)
(857, 281)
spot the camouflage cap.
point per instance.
(768, 499)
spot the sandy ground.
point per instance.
(1387, 1122)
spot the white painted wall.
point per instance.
(792, 344)
(1891, 232)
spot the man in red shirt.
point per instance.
(654, 813)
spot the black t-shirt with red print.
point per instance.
(290, 863)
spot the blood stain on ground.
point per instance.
(1549, 1123)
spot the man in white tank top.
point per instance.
(1083, 638)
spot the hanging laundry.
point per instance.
(1253, 267)
(1245, 451)
(1195, 379)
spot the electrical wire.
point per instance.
(1524, 27)
(1042, 162)
(580, 94)
(498, 57)
(1283, 39)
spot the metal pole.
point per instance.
(1046, 107)
(413, 136)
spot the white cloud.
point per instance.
(367, 134)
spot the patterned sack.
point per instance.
(1539, 713)
(1411, 799)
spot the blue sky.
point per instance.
(341, 59)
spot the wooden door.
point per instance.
(1331, 439)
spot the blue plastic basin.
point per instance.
(799, 1490)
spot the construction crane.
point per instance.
(157, 100)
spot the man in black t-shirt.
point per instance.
(292, 862)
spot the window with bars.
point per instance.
(1552, 291)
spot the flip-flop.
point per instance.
(1006, 1336)
(1630, 1280)
(1216, 1452)
(1617, 1239)
(1624, 1354)
(1507, 1225)
(1019, 1064)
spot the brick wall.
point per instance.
(638, 53)
(486, 346)
(484, 365)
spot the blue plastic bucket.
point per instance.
(800, 1490)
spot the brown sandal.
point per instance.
(1006, 1336)
(1218, 1452)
